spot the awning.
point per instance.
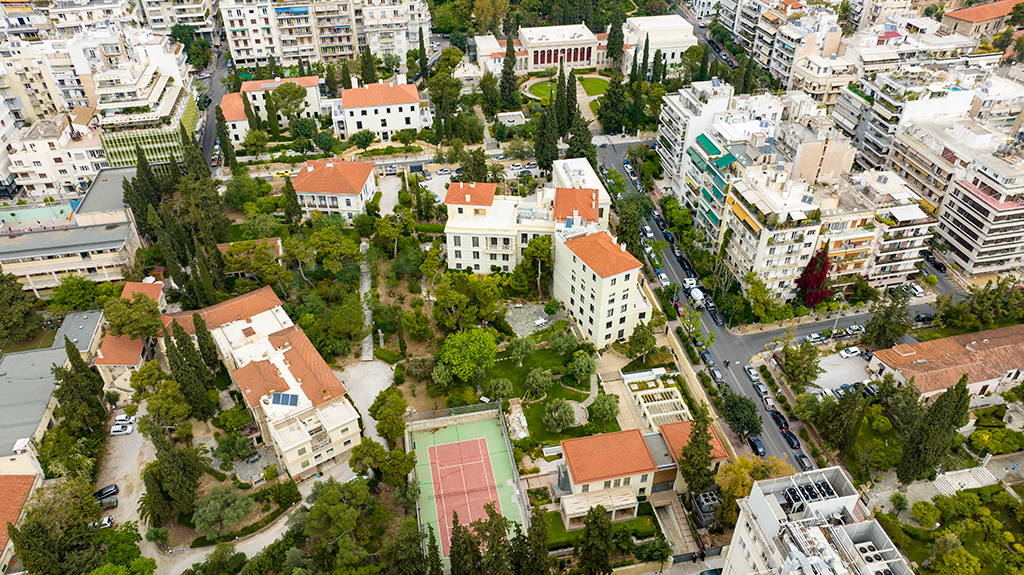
(908, 213)
(705, 143)
(578, 504)
(725, 160)
(701, 164)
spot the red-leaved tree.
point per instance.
(812, 282)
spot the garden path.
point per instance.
(364, 287)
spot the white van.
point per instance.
(769, 404)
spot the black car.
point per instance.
(716, 316)
(791, 439)
(108, 491)
(755, 445)
(780, 420)
(705, 356)
(685, 264)
(804, 462)
(677, 252)
(866, 354)
(928, 257)
(660, 223)
(924, 317)
(941, 267)
(668, 236)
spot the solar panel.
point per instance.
(715, 82)
(294, 400)
(276, 399)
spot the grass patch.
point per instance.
(594, 86)
(539, 431)
(280, 231)
(595, 106)
(991, 416)
(660, 357)
(558, 538)
(541, 90)
(42, 339)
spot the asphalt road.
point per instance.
(216, 90)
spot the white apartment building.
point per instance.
(779, 42)
(8, 133)
(902, 40)
(234, 116)
(162, 15)
(383, 108)
(256, 91)
(331, 31)
(53, 158)
(741, 17)
(43, 242)
(334, 186)
(810, 523)
(685, 115)
(671, 33)
(74, 16)
(823, 79)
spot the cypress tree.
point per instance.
(236, 83)
(367, 67)
(174, 178)
(192, 388)
(634, 71)
(581, 143)
(191, 355)
(254, 120)
(434, 565)
(332, 81)
(145, 182)
(537, 543)
(546, 146)
(560, 104)
(258, 73)
(615, 38)
(612, 113)
(195, 163)
(572, 105)
(292, 209)
(657, 66)
(346, 77)
(713, 70)
(209, 293)
(647, 53)
(275, 127)
(509, 86)
(138, 204)
(637, 110)
(703, 64)
(272, 67)
(424, 60)
(207, 347)
(224, 135)
(932, 436)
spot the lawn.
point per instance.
(42, 338)
(595, 106)
(538, 431)
(991, 416)
(540, 89)
(594, 86)
(558, 538)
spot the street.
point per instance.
(216, 90)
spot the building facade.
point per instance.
(335, 187)
(382, 108)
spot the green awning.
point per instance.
(707, 145)
(701, 164)
(725, 160)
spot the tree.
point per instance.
(78, 392)
(405, 551)
(890, 319)
(594, 546)
(475, 167)
(905, 405)
(763, 302)
(19, 320)
(253, 119)
(464, 549)
(583, 366)
(613, 111)
(509, 84)
(605, 407)
(737, 477)
(346, 77)
(207, 347)
(558, 415)
(539, 254)
(537, 382)
(138, 318)
(899, 501)
(1016, 16)
(801, 366)
(467, 351)
(520, 348)
(933, 436)
(292, 209)
(572, 107)
(224, 135)
(255, 142)
(388, 409)
(491, 102)
(424, 62)
(289, 99)
(500, 388)
(434, 565)
(560, 104)
(362, 139)
(273, 123)
(54, 538)
(221, 510)
(546, 144)
(741, 414)
(695, 460)
(959, 561)
(581, 144)
(367, 67)
(839, 421)
(806, 407)
(331, 79)
(641, 342)
(812, 283)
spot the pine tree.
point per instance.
(292, 209)
(346, 77)
(254, 120)
(594, 546)
(572, 105)
(224, 135)
(509, 85)
(424, 60)
(615, 38)
(332, 81)
(537, 544)
(560, 104)
(647, 53)
(367, 67)
(207, 347)
(581, 143)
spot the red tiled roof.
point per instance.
(275, 245)
(938, 364)
(14, 491)
(233, 108)
(307, 366)
(236, 308)
(332, 176)
(578, 202)
(602, 254)
(258, 378)
(260, 85)
(504, 43)
(380, 94)
(470, 194)
(677, 436)
(983, 12)
(120, 350)
(152, 290)
(602, 36)
(607, 456)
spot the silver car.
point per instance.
(121, 430)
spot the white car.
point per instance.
(689, 283)
(648, 233)
(205, 75)
(854, 329)
(531, 165)
(916, 290)
(104, 523)
(815, 338)
(664, 280)
(124, 419)
(849, 352)
(443, 172)
(121, 430)
(516, 166)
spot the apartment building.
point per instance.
(8, 132)
(600, 283)
(907, 40)
(53, 158)
(849, 231)
(162, 15)
(980, 216)
(820, 152)
(74, 16)
(97, 239)
(998, 102)
(873, 111)
(823, 79)
(671, 33)
(334, 186)
(741, 17)
(382, 108)
(258, 90)
(685, 115)
(779, 42)
(332, 31)
(809, 523)
(903, 227)
(23, 19)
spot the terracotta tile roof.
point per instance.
(260, 85)
(380, 94)
(120, 350)
(152, 291)
(602, 36)
(940, 363)
(236, 308)
(14, 491)
(258, 378)
(601, 254)
(983, 12)
(233, 108)
(307, 366)
(275, 245)
(332, 176)
(504, 43)
(677, 436)
(578, 202)
(607, 456)
(470, 194)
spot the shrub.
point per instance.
(399, 377)
(925, 513)
(892, 527)
(430, 228)
(384, 354)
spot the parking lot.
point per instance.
(122, 464)
(840, 371)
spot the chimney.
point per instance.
(277, 80)
(622, 248)
(309, 167)
(99, 352)
(472, 184)
(575, 213)
(329, 164)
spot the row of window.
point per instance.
(617, 483)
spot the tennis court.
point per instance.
(467, 466)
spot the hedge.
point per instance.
(204, 541)
(892, 527)
(383, 353)
(216, 474)
(391, 151)
(430, 228)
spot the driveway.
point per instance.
(364, 381)
(122, 464)
(390, 186)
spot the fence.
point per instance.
(713, 552)
(449, 412)
(524, 501)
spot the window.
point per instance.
(625, 481)
(607, 336)
(408, 121)
(643, 314)
(643, 478)
(494, 257)
(359, 125)
(608, 484)
(460, 210)
(348, 202)
(622, 320)
(642, 491)
(610, 312)
(347, 443)
(458, 241)
(621, 333)
(458, 254)
(613, 281)
(476, 266)
(384, 123)
(586, 488)
(476, 256)
(623, 308)
(305, 464)
(627, 277)
(476, 242)
(301, 451)
(608, 325)
(362, 113)
(617, 482)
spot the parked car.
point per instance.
(791, 439)
(108, 503)
(516, 166)
(427, 175)
(761, 390)
(665, 282)
(458, 170)
(849, 352)
(671, 238)
(124, 419)
(941, 267)
(804, 462)
(769, 403)
(716, 374)
(660, 223)
(854, 329)
(780, 420)
(716, 316)
(689, 283)
(444, 172)
(928, 256)
(679, 308)
(647, 232)
(531, 165)
(205, 75)
(705, 356)
(867, 354)
(815, 338)
(108, 491)
(104, 523)
(525, 174)
(752, 374)
(755, 445)
(924, 317)
(121, 430)
(916, 290)
(677, 252)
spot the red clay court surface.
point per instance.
(463, 482)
